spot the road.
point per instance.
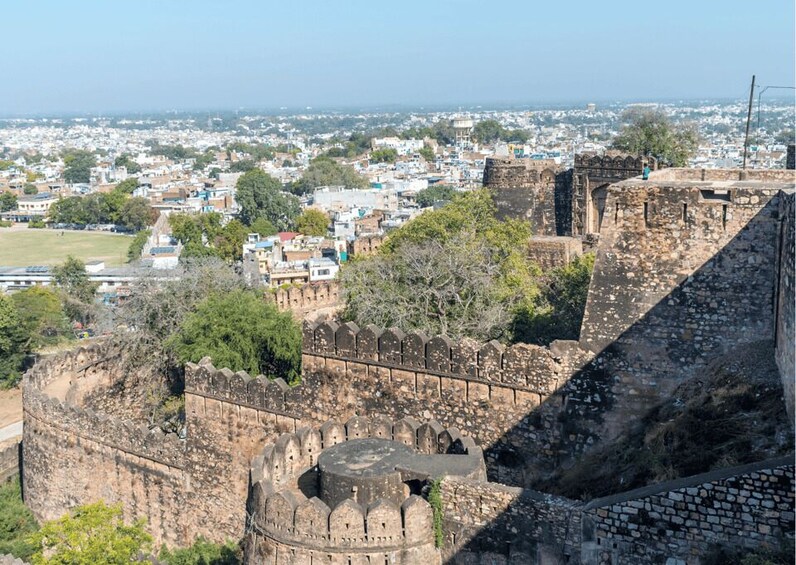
(11, 431)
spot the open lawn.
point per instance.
(22, 247)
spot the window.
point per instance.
(322, 272)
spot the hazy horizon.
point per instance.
(91, 57)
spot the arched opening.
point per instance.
(597, 210)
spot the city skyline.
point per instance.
(88, 57)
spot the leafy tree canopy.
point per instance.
(41, 316)
(263, 227)
(457, 269)
(90, 534)
(650, 132)
(560, 305)
(259, 195)
(137, 245)
(13, 342)
(8, 201)
(242, 166)
(258, 152)
(113, 207)
(203, 236)
(30, 188)
(490, 131)
(16, 522)
(385, 155)
(203, 552)
(435, 193)
(124, 160)
(78, 164)
(313, 222)
(73, 279)
(127, 186)
(323, 171)
(242, 331)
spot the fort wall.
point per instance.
(74, 455)
(785, 330)
(9, 460)
(740, 508)
(305, 298)
(492, 523)
(550, 252)
(291, 524)
(528, 189)
(366, 245)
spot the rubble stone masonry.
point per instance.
(689, 264)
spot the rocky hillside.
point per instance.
(732, 414)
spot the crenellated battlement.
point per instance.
(239, 388)
(122, 435)
(281, 463)
(291, 511)
(305, 297)
(294, 520)
(520, 366)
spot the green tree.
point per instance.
(242, 331)
(313, 222)
(259, 195)
(242, 166)
(435, 193)
(203, 552)
(560, 305)
(263, 227)
(124, 160)
(16, 522)
(322, 171)
(427, 153)
(786, 136)
(457, 270)
(90, 534)
(488, 131)
(8, 201)
(30, 188)
(68, 210)
(41, 316)
(137, 245)
(650, 132)
(386, 155)
(72, 278)
(13, 342)
(78, 164)
(185, 228)
(136, 213)
(229, 243)
(127, 186)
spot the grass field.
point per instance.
(22, 247)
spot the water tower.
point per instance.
(463, 128)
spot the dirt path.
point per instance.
(10, 406)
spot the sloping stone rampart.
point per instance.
(741, 508)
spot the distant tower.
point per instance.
(590, 108)
(463, 128)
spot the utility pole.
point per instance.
(748, 119)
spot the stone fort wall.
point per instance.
(685, 271)
(530, 408)
(786, 328)
(288, 525)
(530, 189)
(73, 455)
(740, 508)
(305, 298)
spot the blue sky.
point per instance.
(121, 55)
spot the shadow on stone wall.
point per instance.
(728, 300)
